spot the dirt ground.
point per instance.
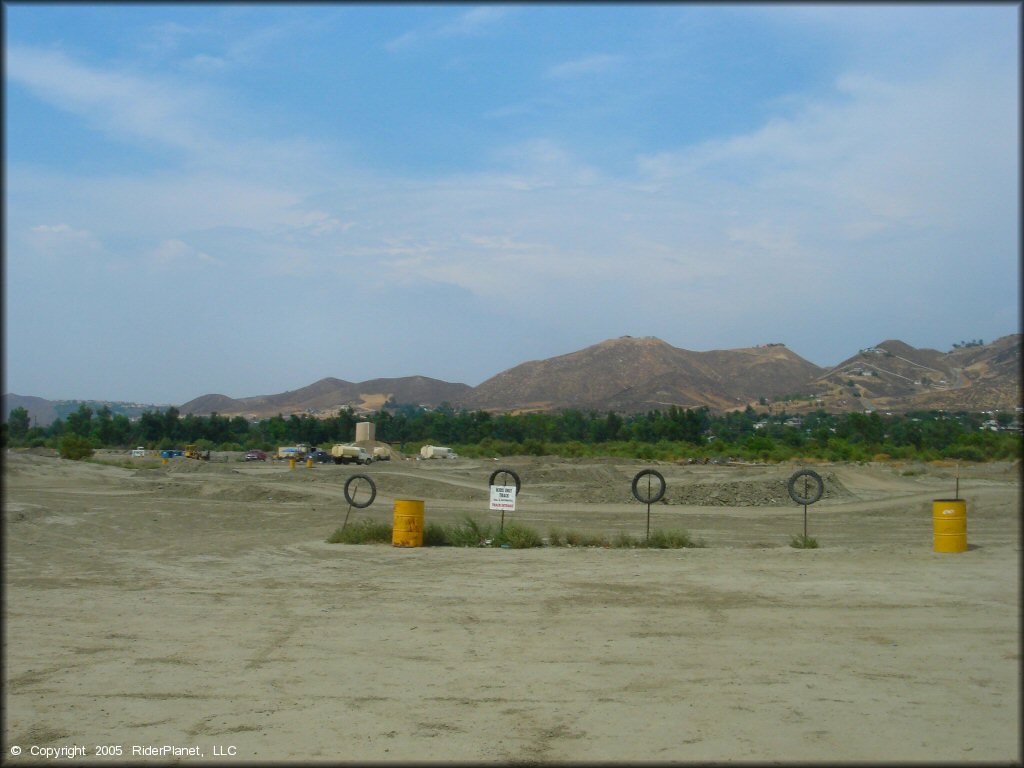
(198, 606)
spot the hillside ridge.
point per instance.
(630, 374)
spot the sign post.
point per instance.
(503, 497)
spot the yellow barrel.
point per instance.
(291, 463)
(949, 520)
(408, 527)
(309, 463)
(163, 461)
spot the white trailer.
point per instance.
(437, 452)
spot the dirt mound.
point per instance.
(403, 486)
(748, 493)
(253, 493)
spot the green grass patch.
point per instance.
(468, 533)
(559, 537)
(518, 536)
(670, 540)
(362, 532)
(799, 541)
(472, 533)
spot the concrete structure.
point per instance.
(365, 430)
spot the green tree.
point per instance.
(17, 423)
(151, 427)
(80, 422)
(171, 428)
(102, 429)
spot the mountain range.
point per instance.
(638, 374)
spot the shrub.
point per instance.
(556, 537)
(518, 536)
(623, 540)
(573, 450)
(577, 539)
(74, 447)
(468, 533)
(434, 536)
(965, 452)
(534, 447)
(362, 532)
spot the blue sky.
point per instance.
(243, 199)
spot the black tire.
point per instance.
(657, 496)
(506, 471)
(815, 493)
(373, 491)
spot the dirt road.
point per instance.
(198, 606)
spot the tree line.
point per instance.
(665, 435)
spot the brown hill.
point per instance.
(41, 412)
(894, 376)
(329, 395)
(204, 405)
(637, 374)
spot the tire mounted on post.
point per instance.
(511, 472)
(660, 492)
(373, 491)
(815, 492)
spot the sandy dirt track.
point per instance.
(199, 605)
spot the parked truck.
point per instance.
(297, 452)
(437, 452)
(349, 454)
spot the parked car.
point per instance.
(320, 457)
(255, 455)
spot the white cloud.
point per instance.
(206, 63)
(473, 22)
(476, 20)
(149, 110)
(63, 241)
(588, 65)
(118, 103)
(175, 253)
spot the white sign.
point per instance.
(503, 497)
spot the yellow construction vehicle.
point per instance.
(191, 452)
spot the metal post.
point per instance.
(648, 508)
